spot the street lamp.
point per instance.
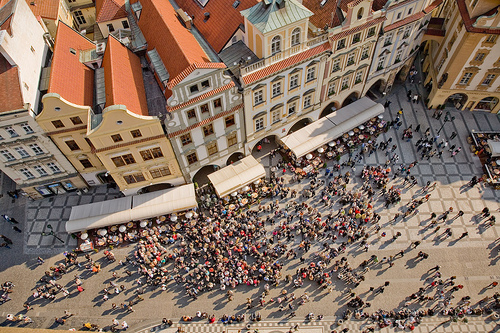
(51, 233)
(447, 117)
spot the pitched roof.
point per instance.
(270, 15)
(123, 78)
(323, 15)
(68, 76)
(176, 46)
(281, 65)
(469, 22)
(202, 97)
(11, 97)
(48, 9)
(108, 10)
(215, 33)
(204, 65)
(408, 19)
(365, 25)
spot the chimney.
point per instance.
(207, 16)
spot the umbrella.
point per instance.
(331, 143)
(246, 188)
(102, 232)
(122, 228)
(309, 156)
(209, 219)
(189, 215)
(351, 133)
(173, 218)
(321, 150)
(84, 236)
(361, 127)
(257, 182)
(234, 194)
(143, 224)
(380, 116)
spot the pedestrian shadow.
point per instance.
(453, 242)
(412, 263)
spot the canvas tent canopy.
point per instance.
(235, 176)
(494, 148)
(326, 129)
(105, 213)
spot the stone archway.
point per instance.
(264, 146)
(354, 96)
(377, 89)
(299, 124)
(329, 109)
(200, 177)
(234, 158)
(457, 100)
(486, 104)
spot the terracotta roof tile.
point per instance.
(343, 4)
(206, 121)
(468, 22)
(279, 66)
(206, 65)
(11, 97)
(379, 4)
(323, 15)
(409, 19)
(123, 78)
(68, 76)
(7, 9)
(201, 97)
(348, 32)
(215, 33)
(108, 10)
(163, 31)
(48, 9)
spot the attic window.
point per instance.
(203, 3)
(236, 4)
(72, 50)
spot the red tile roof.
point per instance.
(11, 97)
(163, 31)
(291, 61)
(48, 9)
(201, 97)
(68, 76)
(204, 65)
(409, 19)
(206, 121)
(123, 78)
(379, 4)
(108, 10)
(323, 15)
(432, 6)
(468, 22)
(7, 9)
(215, 33)
(348, 32)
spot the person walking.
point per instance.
(453, 135)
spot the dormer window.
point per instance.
(296, 36)
(360, 13)
(276, 45)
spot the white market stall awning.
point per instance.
(494, 148)
(133, 208)
(99, 214)
(158, 203)
(326, 129)
(235, 176)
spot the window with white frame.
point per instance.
(294, 81)
(212, 148)
(80, 19)
(358, 77)
(341, 44)
(480, 56)
(27, 128)
(259, 124)
(398, 16)
(53, 167)
(465, 79)
(350, 59)
(36, 149)
(7, 154)
(398, 56)
(331, 88)
(275, 116)
(336, 65)
(311, 74)
(12, 132)
(345, 83)
(276, 89)
(292, 108)
(23, 153)
(381, 62)
(488, 79)
(388, 39)
(307, 101)
(276, 45)
(296, 36)
(407, 31)
(40, 170)
(28, 174)
(365, 52)
(258, 97)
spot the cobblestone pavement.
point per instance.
(471, 260)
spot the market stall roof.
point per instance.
(133, 208)
(329, 128)
(235, 176)
(494, 147)
(99, 214)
